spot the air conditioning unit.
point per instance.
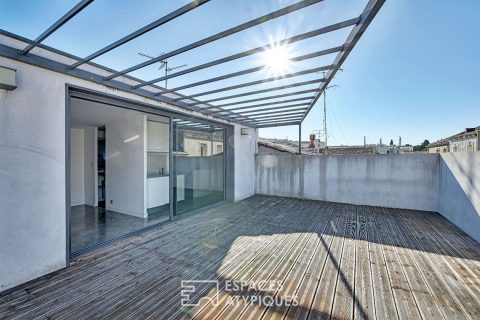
(7, 78)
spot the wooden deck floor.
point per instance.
(334, 260)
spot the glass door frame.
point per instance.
(79, 92)
(212, 124)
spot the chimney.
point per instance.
(312, 142)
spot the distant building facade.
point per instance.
(465, 141)
(282, 146)
(382, 148)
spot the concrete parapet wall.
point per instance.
(448, 184)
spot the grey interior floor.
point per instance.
(93, 225)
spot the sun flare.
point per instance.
(277, 59)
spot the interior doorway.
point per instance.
(131, 169)
(119, 172)
(101, 181)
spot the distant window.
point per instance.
(203, 149)
(219, 148)
(470, 147)
(438, 150)
(455, 148)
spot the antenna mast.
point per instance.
(325, 111)
(163, 64)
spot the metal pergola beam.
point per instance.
(252, 83)
(275, 124)
(169, 17)
(273, 117)
(300, 37)
(304, 105)
(254, 115)
(280, 122)
(267, 104)
(220, 35)
(251, 116)
(370, 11)
(298, 84)
(276, 120)
(277, 117)
(296, 93)
(54, 27)
(278, 108)
(255, 69)
(59, 67)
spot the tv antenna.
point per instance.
(325, 110)
(163, 64)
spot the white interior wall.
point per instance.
(126, 165)
(90, 166)
(77, 173)
(244, 159)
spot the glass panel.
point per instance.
(158, 171)
(199, 165)
(119, 172)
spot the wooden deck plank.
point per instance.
(104, 257)
(467, 300)
(84, 277)
(344, 295)
(225, 271)
(245, 273)
(425, 301)
(383, 294)
(150, 258)
(404, 300)
(364, 290)
(276, 264)
(292, 282)
(165, 250)
(340, 261)
(457, 258)
(450, 307)
(321, 307)
(145, 278)
(307, 288)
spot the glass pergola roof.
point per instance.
(260, 64)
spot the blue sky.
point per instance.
(414, 73)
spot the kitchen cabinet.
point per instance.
(157, 136)
(158, 190)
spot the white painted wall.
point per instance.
(90, 166)
(32, 176)
(397, 181)
(126, 165)
(447, 183)
(77, 173)
(244, 159)
(459, 199)
(32, 166)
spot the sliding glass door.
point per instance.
(198, 162)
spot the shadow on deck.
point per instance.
(299, 259)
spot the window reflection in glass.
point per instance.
(198, 165)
